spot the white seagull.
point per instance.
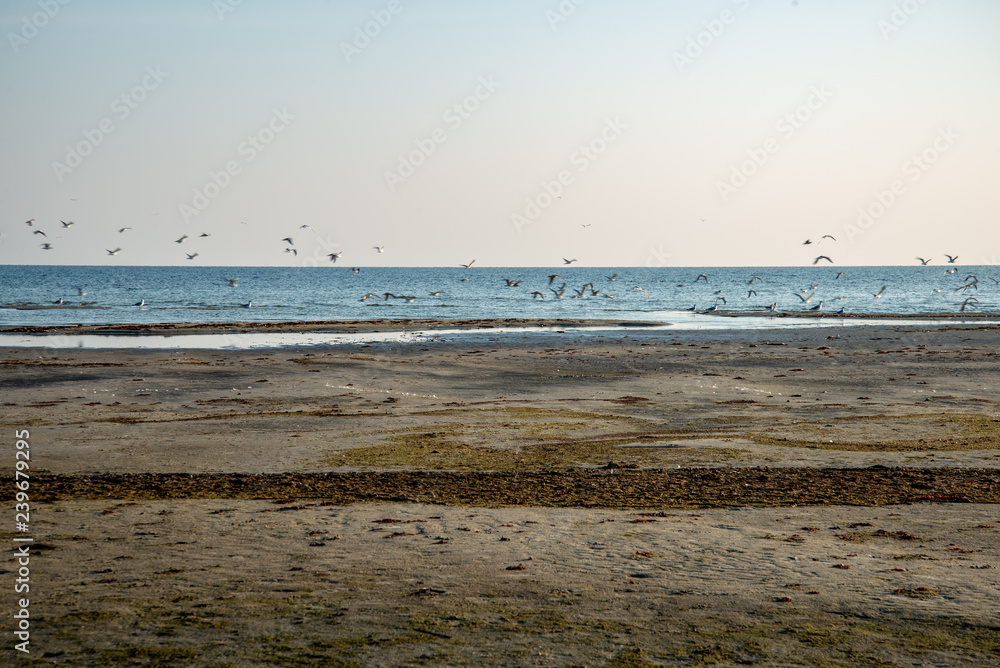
(113, 252)
(464, 266)
(951, 258)
(565, 261)
(69, 224)
(380, 249)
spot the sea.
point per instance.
(30, 294)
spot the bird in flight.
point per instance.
(183, 237)
(306, 227)
(466, 266)
(292, 251)
(951, 258)
(613, 277)
(204, 234)
(805, 300)
(807, 242)
(334, 256)
(355, 270)
(878, 295)
(113, 252)
(755, 278)
(923, 262)
(822, 257)
(289, 240)
(751, 293)
(69, 224)
(46, 246)
(511, 283)
(565, 261)
(586, 225)
(970, 302)
(42, 233)
(839, 274)
(368, 296)
(191, 256)
(701, 276)
(537, 295)
(827, 236)
(380, 249)
(553, 277)
(233, 282)
(124, 229)
(29, 223)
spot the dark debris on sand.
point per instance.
(620, 488)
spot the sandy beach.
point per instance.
(822, 496)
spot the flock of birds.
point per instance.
(804, 295)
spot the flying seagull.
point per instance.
(29, 223)
(951, 258)
(113, 252)
(233, 282)
(289, 240)
(46, 246)
(380, 249)
(69, 224)
(334, 256)
(878, 295)
(565, 261)
(292, 250)
(827, 236)
(822, 257)
(191, 256)
(554, 277)
(42, 233)
(923, 262)
(183, 237)
(805, 300)
(701, 276)
(466, 266)
(124, 229)
(204, 234)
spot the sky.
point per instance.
(514, 133)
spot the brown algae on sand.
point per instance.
(944, 432)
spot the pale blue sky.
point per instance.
(677, 132)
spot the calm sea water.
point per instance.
(201, 294)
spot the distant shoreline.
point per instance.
(389, 325)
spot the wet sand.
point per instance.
(616, 498)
